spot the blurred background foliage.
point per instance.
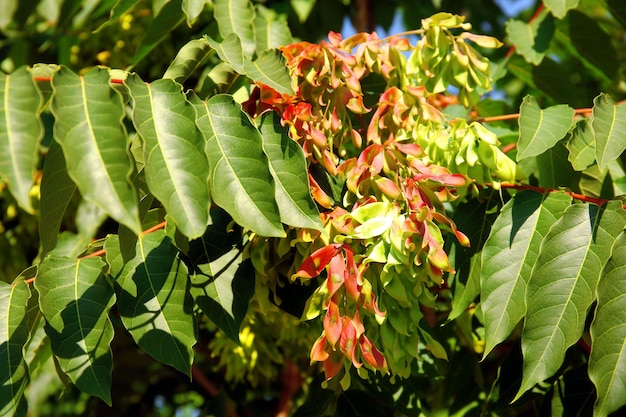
(144, 36)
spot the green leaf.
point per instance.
(617, 8)
(75, 299)
(188, 59)
(555, 170)
(531, 40)
(302, 8)
(20, 133)
(562, 285)
(270, 68)
(271, 29)
(193, 9)
(56, 191)
(176, 168)
(117, 11)
(222, 282)
(509, 256)
(609, 125)
(8, 7)
(13, 337)
(168, 18)
(540, 129)
(89, 128)
(240, 181)
(153, 299)
(594, 45)
(582, 145)
(236, 16)
(607, 362)
(559, 8)
(288, 167)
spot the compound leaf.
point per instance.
(241, 182)
(509, 256)
(562, 285)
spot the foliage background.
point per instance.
(555, 64)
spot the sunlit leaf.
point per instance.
(609, 125)
(562, 285)
(288, 168)
(188, 59)
(20, 133)
(270, 69)
(236, 16)
(559, 8)
(88, 126)
(176, 168)
(271, 29)
(607, 362)
(240, 181)
(75, 299)
(582, 145)
(509, 256)
(302, 8)
(222, 282)
(13, 336)
(540, 129)
(153, 299)
(531, 40)
(193, 9)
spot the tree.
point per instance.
(346, 226)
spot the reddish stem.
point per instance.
(598, 201)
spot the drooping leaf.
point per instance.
(169, 17)
(509, 256)
(20, 133)
(176, 167)
(153, 299)
(56, 191)
(188, 59)
(609, 125)
(88, 126)
(13, 337)
(271, 30)
(222, 282)
(582, 145)
(559, 8)
(607, 362)
(75, 299)
(591, 42)
(236, 16)
(562, 285)
(302, 8)
(240, 181)
(540, 129)
(288, 168)
(531, 40)
(229, 50)
(193, 9)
